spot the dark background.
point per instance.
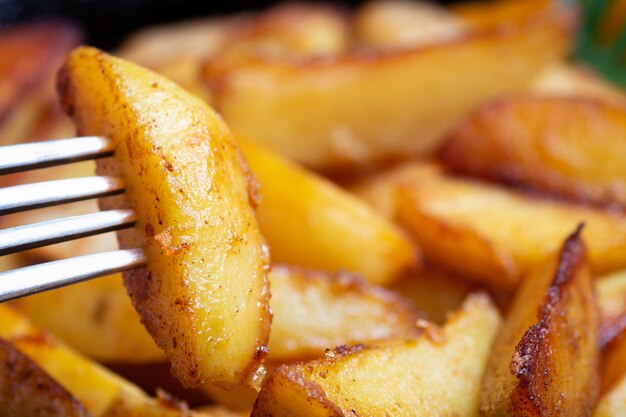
(106, 22)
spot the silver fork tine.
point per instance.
(37, 278)
(34, 279)
(27, 156)
(48, 193)
(35, 235)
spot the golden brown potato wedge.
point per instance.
(494, 235)
(404, 23)
(436, 374)
(101, 392)
(204, 295)
(363, 107)
(545, 359)
(611, 291)
(314, 311)
(434, 292)
(568, 146)
(340, 232)
(27, 391)
(96, 318)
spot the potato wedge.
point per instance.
(341, 232)
(440, 374)
(364, 107)
(568, 146)
(96, 318)
(434, 292)
(314, 311)
(30, 54)
(545, 358)
(204, 295)
(27, 391)
(493, 235)
(403, 23)
(101, 392)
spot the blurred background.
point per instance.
(106, 22)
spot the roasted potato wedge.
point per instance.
(493, 235)
(342, 233)
(314, 311)
(27, 391)
(96, 318)
(568, 146)
(204, 295)
(30, 54)
(101, 392)
(434, 292)
(403, 23)
(364, 107)
(545, 359)
(436, 374)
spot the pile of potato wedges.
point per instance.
(400, 209)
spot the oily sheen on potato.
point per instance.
(203, 295)
(437, 374)
(545, 359)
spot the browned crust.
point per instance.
(468, 139)
(218, 77)
(26, 390)
(533, 360)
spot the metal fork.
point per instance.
(37, 278)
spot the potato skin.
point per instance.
(567, 146)
(545, 359)
(27, 391)
(204, 293)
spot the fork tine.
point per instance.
(22, 157)
(60, 230)
(49, 193)
(42, 277)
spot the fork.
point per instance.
(46, 276)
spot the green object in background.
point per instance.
(607, 57)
